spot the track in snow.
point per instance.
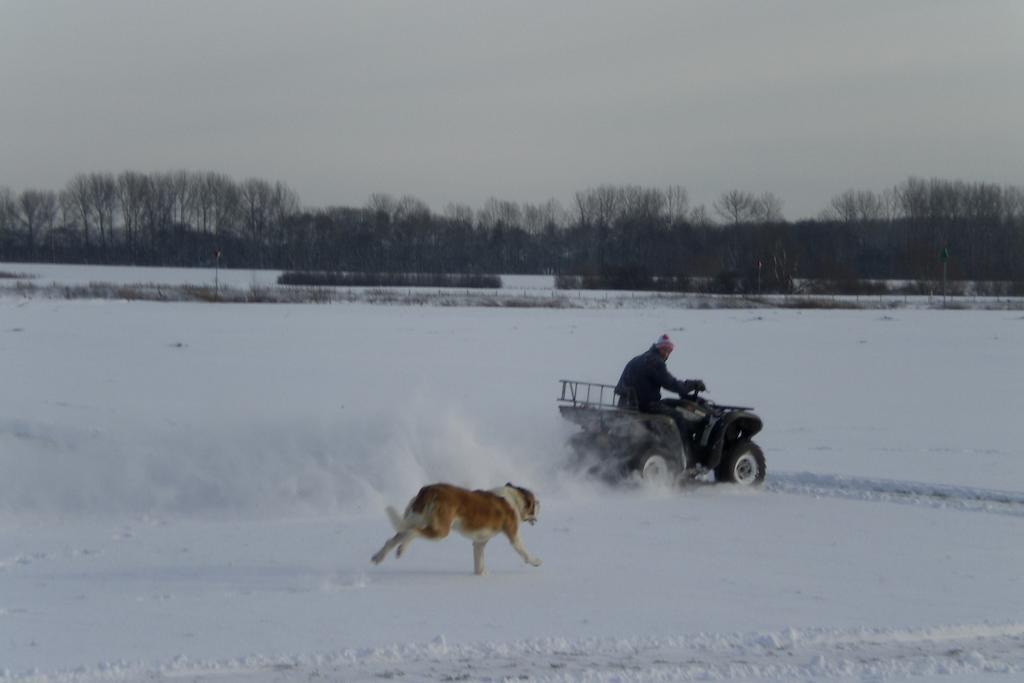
(893, 491)
(792, 654)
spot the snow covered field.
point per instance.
(193, 492)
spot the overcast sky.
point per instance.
(459, 101)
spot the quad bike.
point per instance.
(617, 441)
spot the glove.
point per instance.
(693, 385)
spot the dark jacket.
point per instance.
(645, 376)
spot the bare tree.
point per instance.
(264, 208)
(888, 204)
(36, 211)
(92, 199)
(871, 207)
(411, 208)
(677, 203)
(459, 213)
(103, 188)
(1013, 204)
(699, 216)
(284, 202)
(499, 212)
(211, 192)
(641, 204)
(599, 205)
(160, 206)
(767, 208)
(736, 206)
(983, 203)
(226, 198)
(383, 204)
(841, 208)
(257, 200)
(912, 199)
(132, 189)
(946, 200)
(77, 196)
(183, 196)
(7, 215)
(782, 267)
(538, 217)
(854, 206)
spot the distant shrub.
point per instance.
(207, 294)
(674, 283)
(5, 275)
(568, 281)
(198, 293)
(990, 288)
(726, 282)
(346, 279)
(998, 289)
(626, 280)
(816, 303)
(931, 288)
(849, 286)
(917, 287)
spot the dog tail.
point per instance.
(411, 519)
(396, 519)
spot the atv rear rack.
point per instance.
(577, 394)
(597, 408)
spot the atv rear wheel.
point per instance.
(656, 467)
(743, 464)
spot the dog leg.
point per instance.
(527, 558)
(400, 539)
(410, 534)
(478, 557)
(407, 527)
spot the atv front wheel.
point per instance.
(743, 464)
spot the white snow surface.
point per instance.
(193, 492)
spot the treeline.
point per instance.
(619, 234)
(148, 219)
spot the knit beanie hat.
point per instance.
(664, 343)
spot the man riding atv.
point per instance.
(624, 429)
(646, 375)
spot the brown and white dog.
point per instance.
(478, 515)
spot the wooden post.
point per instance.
(216, 274)
(945, 262)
